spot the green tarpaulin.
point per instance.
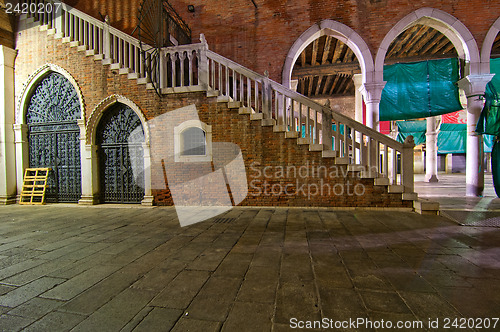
(416, 129)
(420, 89)
(489, 121)
(452, 138)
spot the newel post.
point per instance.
(326, 119)
(407, 165)
(106, 39)
(267, 97)
(203, 64)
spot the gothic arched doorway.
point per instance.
(54, 136)
(120, 138)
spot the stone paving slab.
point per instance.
(102, 268)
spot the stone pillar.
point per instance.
(358, 97)
(474, 87)
(148, 192)
(294, 84)
(90, 175)
(431, 149)
(7, 111)
(372, 93)
(22, 152)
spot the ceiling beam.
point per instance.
(310, 87)
(326, 50)
(318, 86)
(400, 41)
(337, 53)
(334, 85)
(418, 34)
(418, 58)
(303, 58)
(314, 52)
(432, 43)
(323, 70)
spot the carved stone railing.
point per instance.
(193, 67)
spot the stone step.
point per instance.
(98, 57)
(395, 189)
(382, 181)
(355, 168)
(90, 53)
(114, 66)
(234, 104)
(292, 134)
(224, 99)
(341, 161)
(256, 116)
(124, 71)
(410, 196)
(279, 128)
(268, 123)
(75, 43)
(142, 80)
(423, 206)
(316, 147)
(133, 76)
(213, 93)
(245, 110)
(329, 154)
(82, 48)
(303, 141)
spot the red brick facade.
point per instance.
(259, 36)
(260, 146)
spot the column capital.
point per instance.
(475, 85)
(372, 92)
(358, 80)
(7, 56)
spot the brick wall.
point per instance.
(260, 37)
(262, 149)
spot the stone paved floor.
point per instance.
(122, 269)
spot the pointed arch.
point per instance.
(339, 31)
(488, 45)
(98, 111)
(461, 38)
(32, 83)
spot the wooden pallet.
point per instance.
(34, 186)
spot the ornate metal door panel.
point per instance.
(121, 157)
(54, 136)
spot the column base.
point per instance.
(431, 178)
(89, 200)
(474, 191)
(147, 201)
(8, 200)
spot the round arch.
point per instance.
(488, 45)
(451, 27)
(337, 30)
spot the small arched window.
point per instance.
(193, 142)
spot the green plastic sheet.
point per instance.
(417, 129)
(452, 138)
(420, 89)
(489, 121)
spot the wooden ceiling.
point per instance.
(495, 50)
(325, 67)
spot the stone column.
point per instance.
(90, 175)
(431, 149)
(7, 111)
(474, 87)
(358, 97)
(372, 93)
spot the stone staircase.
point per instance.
(194, 68)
